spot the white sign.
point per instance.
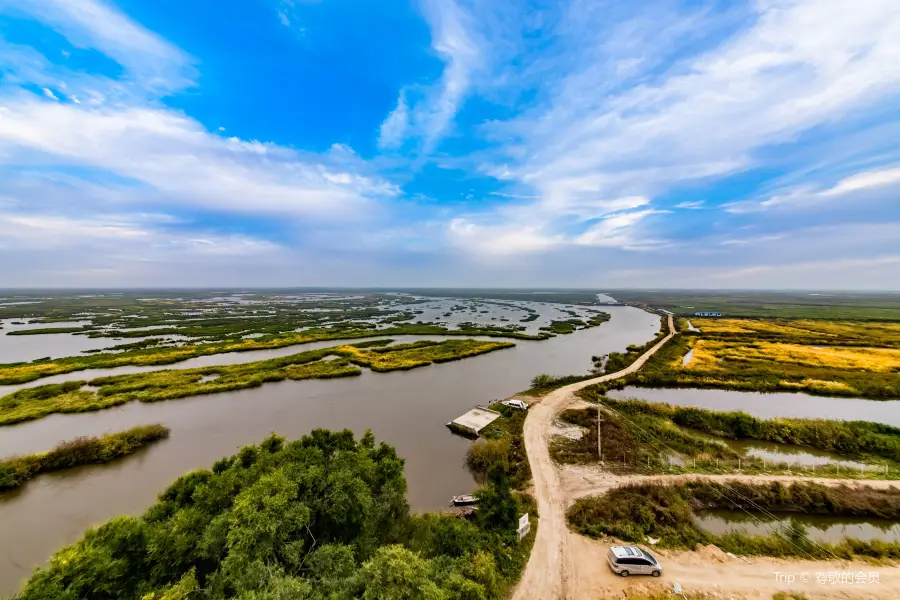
(524, 526)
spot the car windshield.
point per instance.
(648, 556)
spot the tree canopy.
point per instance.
(321, 518)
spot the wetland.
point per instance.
(407, 408)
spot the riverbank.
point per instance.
(16, 471)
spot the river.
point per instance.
(408, 409)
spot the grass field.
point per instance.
(830, 358)
(155, 386)
(883, 306)
(804, 331)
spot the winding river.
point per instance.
(407, 409)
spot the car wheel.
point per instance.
(624, 573)
(656, 573)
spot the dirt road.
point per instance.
(714, 573)
(550, 570)
(585, 480)
(567, 566)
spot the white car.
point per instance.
(515, 404)
(631, 560)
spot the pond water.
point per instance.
(26, 348)
(768, 406)
(687, 357)
(820, 528)
(774, 452)
(407, 409)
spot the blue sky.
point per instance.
(578, 143)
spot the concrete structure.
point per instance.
(707, 314)
(474, 421)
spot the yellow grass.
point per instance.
(876, 333)
(825, 387)
(709, 354)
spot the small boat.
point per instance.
(464, 500)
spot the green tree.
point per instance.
(395, 573)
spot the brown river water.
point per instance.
(408, 409)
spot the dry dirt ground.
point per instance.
(566, 566)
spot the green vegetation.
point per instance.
(642, 437)
(563, 327)
(322, 518)
(666, 512)
(631, 443)
(15, 471)
(46, 330)
(154, 386)
(853, 439)
(24, 372)
(502, 445)
(832, 359)
(804, 305)
(417, 354)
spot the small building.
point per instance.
(707, 314)
(473, 421)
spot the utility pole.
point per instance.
(599, 435)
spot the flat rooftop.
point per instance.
(476, 419)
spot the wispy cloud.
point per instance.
(692, 205)
(149, 59)
(862, 181)
(177, 157)
(454, 38)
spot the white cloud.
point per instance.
(798, 65)
(395, 127)
(862, 181)
(178, 158)
(692, 205)
(50, 94)
(810, 196)
(155, 63)
(498, 240)
(455, 40)
(139, 235)
(616, 231)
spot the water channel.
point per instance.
(820, 528)
(770, 406)
(407, 409)
(774, 452)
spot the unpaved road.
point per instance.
(582, 480)
(567, 566)
(550, 572)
